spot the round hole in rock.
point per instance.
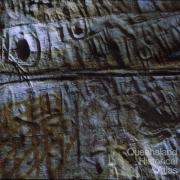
(78, 30)
(23, 50)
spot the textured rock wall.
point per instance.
(89, 88)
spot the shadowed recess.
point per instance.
(23, 50)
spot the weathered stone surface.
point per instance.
(89, 88)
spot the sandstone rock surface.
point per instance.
(90, 89)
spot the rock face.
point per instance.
(90, 89)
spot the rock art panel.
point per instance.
(89, 89)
